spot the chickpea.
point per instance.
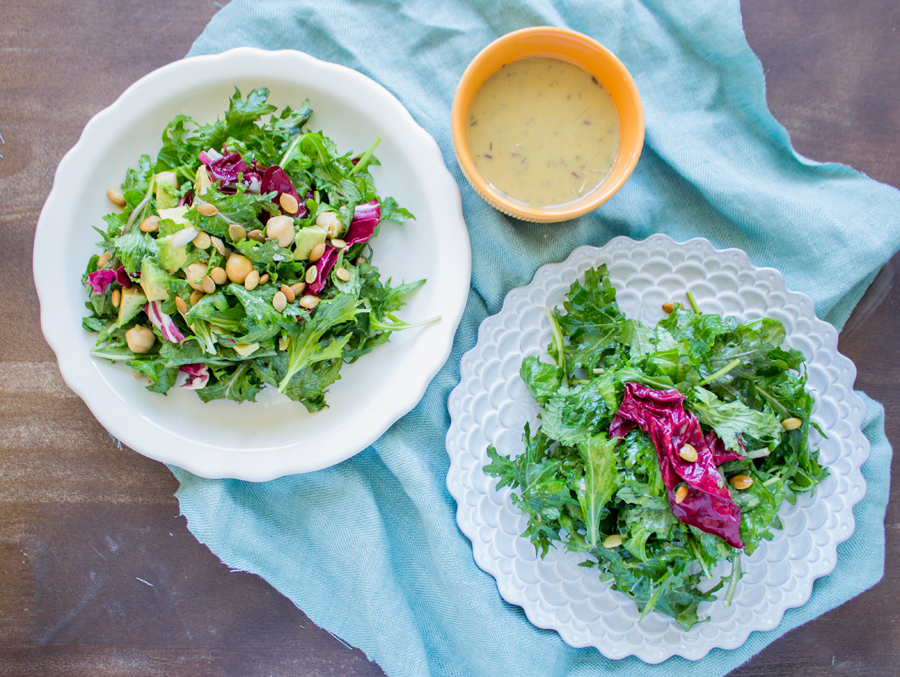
(330, 223)
(238, 267)
(195, 274)
(140, 339)
(281, 228)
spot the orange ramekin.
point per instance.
(578, 49)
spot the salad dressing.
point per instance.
(543, 131)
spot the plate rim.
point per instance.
(207, 460)
(646, 652)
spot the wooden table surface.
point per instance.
(83, 521)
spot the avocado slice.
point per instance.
(154, 280)
(132, 303)
(171, 257)
(175, 214)
(166, 190)
(202, 181)
(306, 239)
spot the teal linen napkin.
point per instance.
(369, 549)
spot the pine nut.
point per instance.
(688, 453)
(681, 493)
(343, 274)
(103, 260)
(741, 482)
(257, 235)
(263, 278)
(317, 252)
(360, 260)
(181, 305)
(791, 423)
(195, 297)
(288, 203)
(218, 275)
(207, 209)
(298, 288)
(115, 298)
(309, 301)
(252, 280)
(150, 224)
(219, 245)
(115, 196)
(311, 274)
(202, 241)
(236, 232)
(208, 285)
(668, 307)
(288, 293)
(279, 301)
(338, 244)
(613, 541)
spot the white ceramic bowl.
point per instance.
(274, 436)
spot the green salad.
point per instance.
(662, 451)
(240, 257)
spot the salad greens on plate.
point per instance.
(662, 451)
(240, 258)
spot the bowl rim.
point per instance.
(537, 41)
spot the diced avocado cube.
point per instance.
(306, 239)
(171, 257)
(166, 190)
(132, 303)
(154, 280)
(176, 214)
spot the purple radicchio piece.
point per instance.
(228, 169)
(365, 218)
(163, 322)
(197, 375)
(275, 179)
(101, 279)
(661, 414)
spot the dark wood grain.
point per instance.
(98, 573)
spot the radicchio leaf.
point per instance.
(365, 218)
(101, 279)
(661, 414)
(275, 179)
(198, 376)
(163, 322)
(228, 168)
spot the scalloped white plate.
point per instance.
(491, 406)
(274, 436)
